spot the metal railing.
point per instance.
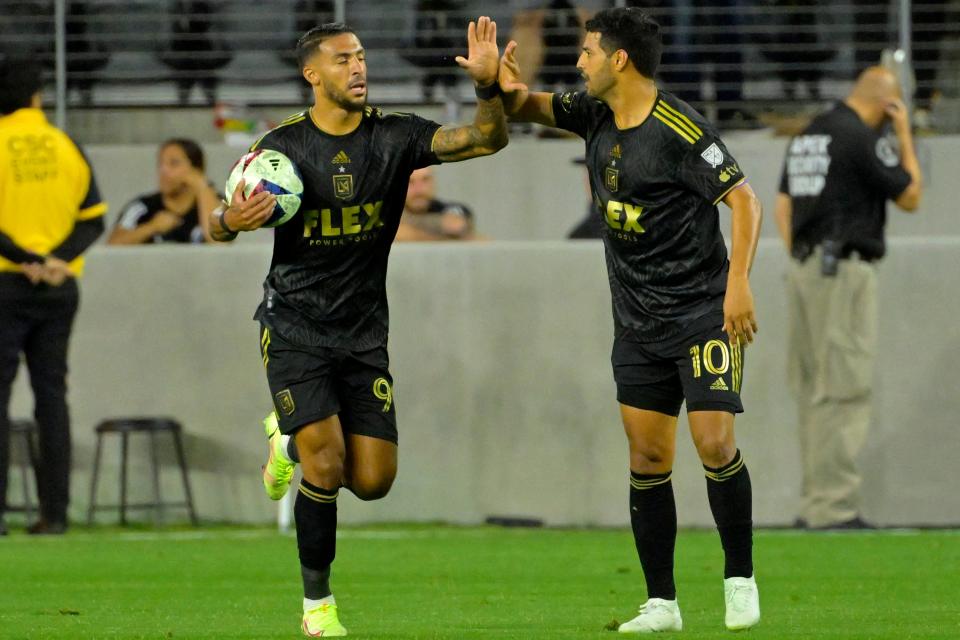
(732, 58)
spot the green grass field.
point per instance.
(463, 583)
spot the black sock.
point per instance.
(653, 514)
(731, 501)
(292, 454)
(315, 512)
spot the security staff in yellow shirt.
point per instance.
(50, 213)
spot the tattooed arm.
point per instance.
(488, 133)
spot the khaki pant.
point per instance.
(832, 345)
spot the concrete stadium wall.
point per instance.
(531, 191)
(504, 391)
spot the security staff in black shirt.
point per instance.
(831, 211)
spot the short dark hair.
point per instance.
(20, 79)
(308, 42)
(191, 149)
(633, 31)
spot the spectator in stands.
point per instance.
(549, 34)
(180, 211)
(50, 213)
(196, 50)
(427, 219)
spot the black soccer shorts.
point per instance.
(698, 366)
(313, 383)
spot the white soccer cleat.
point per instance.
(656, 614)
(743, 603)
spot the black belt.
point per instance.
(801, 252)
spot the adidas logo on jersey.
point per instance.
(341, 158)
(719, 385)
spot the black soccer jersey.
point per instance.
(656, 187)
(839, 173)
(327, 280)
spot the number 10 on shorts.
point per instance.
(707, 358)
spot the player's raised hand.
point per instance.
(514, 91)
(247, 215)
(483, 56)
(739, 321)
(509, 74)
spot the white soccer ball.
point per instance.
(273, 172)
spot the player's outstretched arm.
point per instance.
(241, 215)
(521, 104)
(488, 133)
(739, 319)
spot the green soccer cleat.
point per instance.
(322, 622)
(279, 470)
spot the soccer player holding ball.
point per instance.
(324, 310)
(683, 312)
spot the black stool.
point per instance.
(150, 426)
(27, 430)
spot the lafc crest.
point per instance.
(285, 402)
(343, 186)
(611, 179)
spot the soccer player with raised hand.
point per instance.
(324, 311)
(683, 311)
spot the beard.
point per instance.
(343, 99)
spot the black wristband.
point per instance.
(489, 92)
(221, 219)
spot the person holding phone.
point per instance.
(831, 211)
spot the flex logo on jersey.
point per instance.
(346, 221)
(624, 217)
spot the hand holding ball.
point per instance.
(271, 174)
